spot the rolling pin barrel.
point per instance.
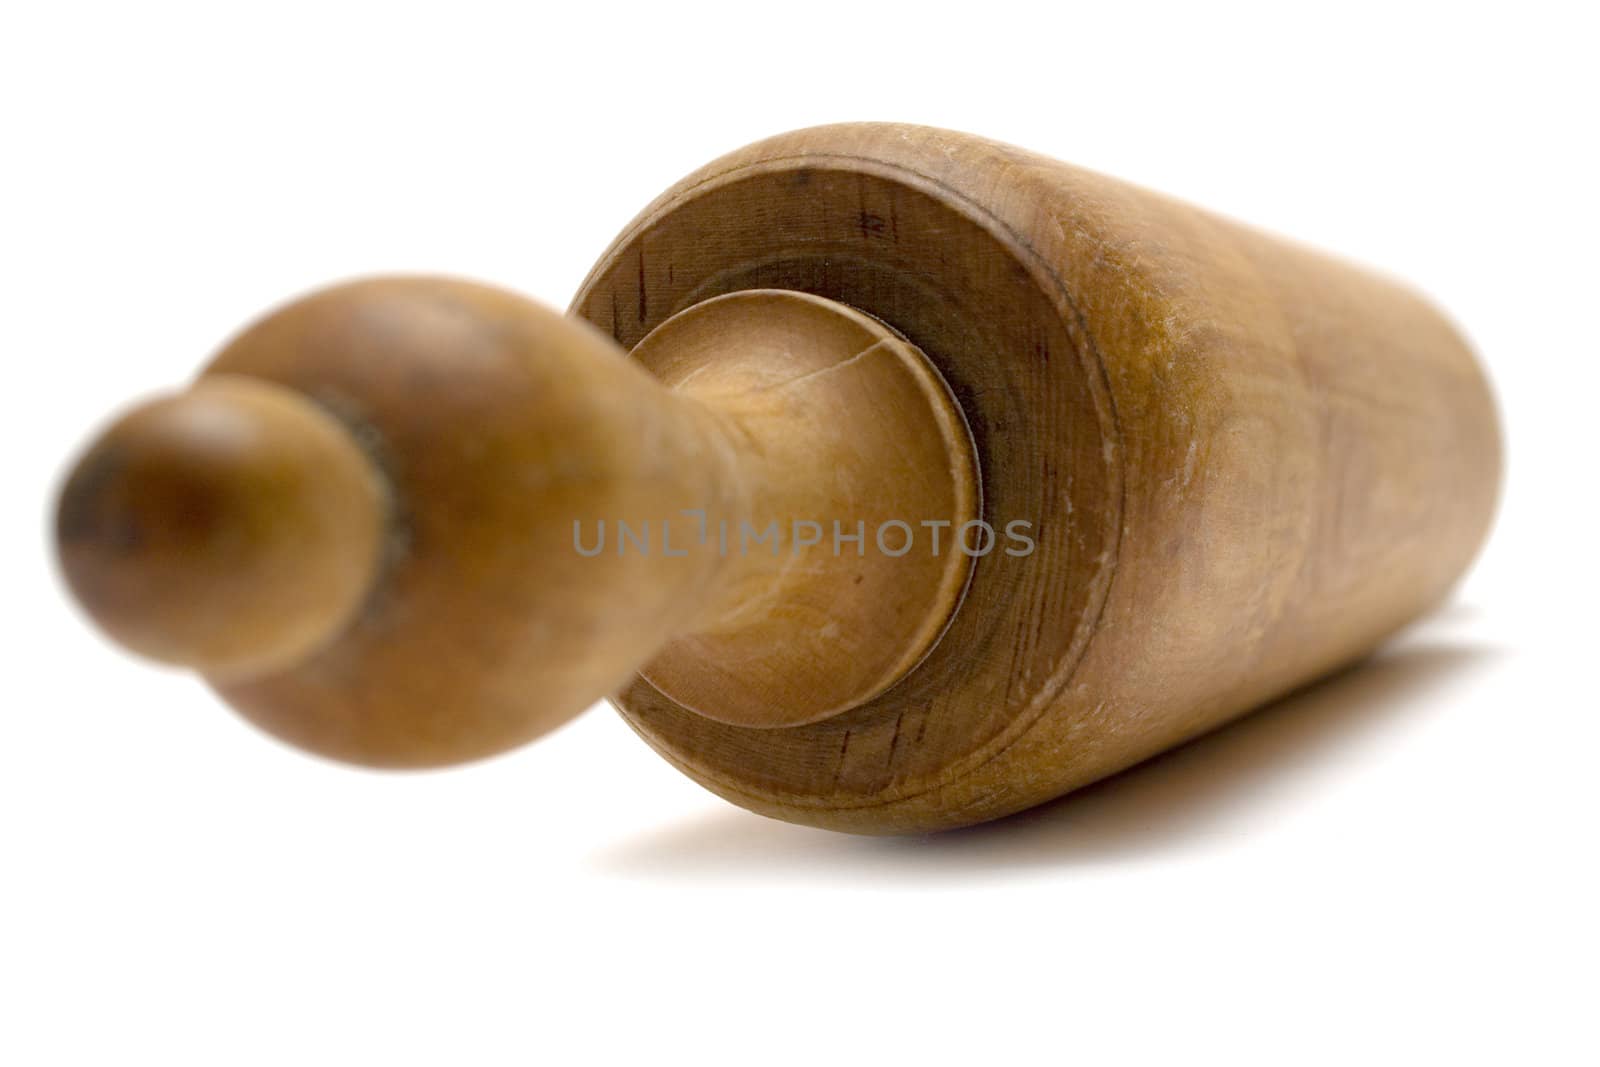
(891, 479)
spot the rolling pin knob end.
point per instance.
(233, 528)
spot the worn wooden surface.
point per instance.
(839, 428)
(1247, 463)
(470, 518)
(1240, 465)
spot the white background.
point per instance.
(1395, 867)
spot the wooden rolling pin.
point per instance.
(889, 479)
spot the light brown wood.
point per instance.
(845, 436)
(552, 517)
(1236, 465)
(233, 528)
(1246, 463)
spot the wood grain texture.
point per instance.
(1246, 463)
(837, 428)
(1240, 464)
(414, 521)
